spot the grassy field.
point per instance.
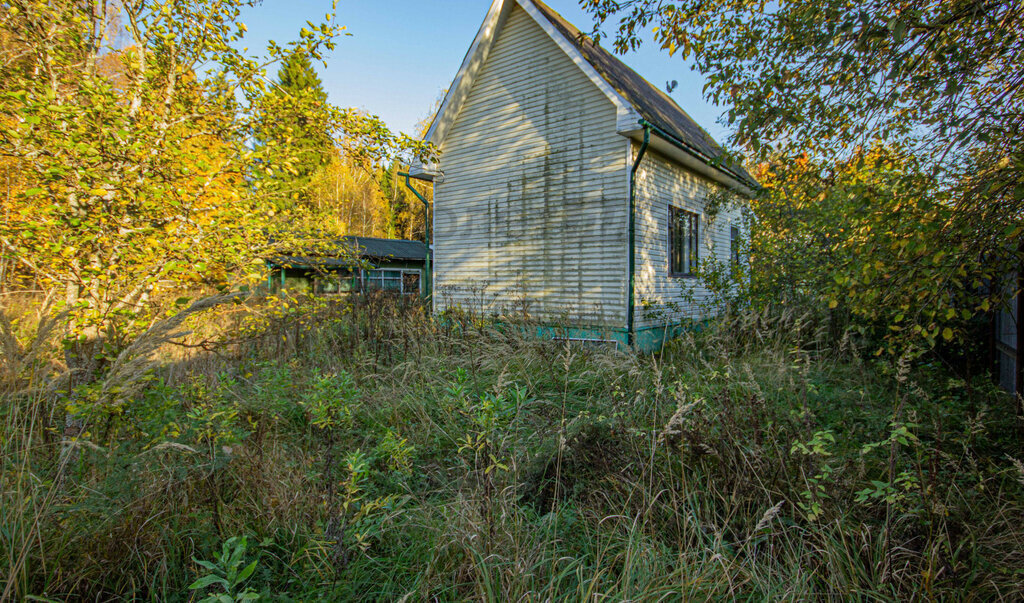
(368, 452)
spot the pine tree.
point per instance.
(297, 74)
(295, 132)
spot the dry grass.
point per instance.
(371, 452)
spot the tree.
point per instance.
(294, 131)
(365, 197)
(833, 81)
(816, 240)
(827, 77)
(139, 176)
(405, 213)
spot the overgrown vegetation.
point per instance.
(887, 136)
(341, 451)
(151, 154)
(812, 443)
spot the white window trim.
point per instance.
(401, 279)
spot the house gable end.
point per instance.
(531, 212)
(476, 57)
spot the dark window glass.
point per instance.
(682, 239)
(734, 247)
(411, 282)
(372, 280)
(399, 281)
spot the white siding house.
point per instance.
(538, 137)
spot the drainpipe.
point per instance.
(426, 232)
(682, 146)
(631, 238)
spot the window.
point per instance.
(734, 248)
(397, 281)
(410, 282)
(387, 280)
(334, 282)
(682, 242)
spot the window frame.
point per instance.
(735, 256)
(337, 277)
(366, 277)
(690, 241)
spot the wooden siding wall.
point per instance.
(531, 213)
(662, 299)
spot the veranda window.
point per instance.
(397, 281)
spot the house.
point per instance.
(361, 264)
(570, 190)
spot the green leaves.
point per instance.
(870, 240)
(225, 573)
(209, 580)
(134, 172)
(899, 31)
(331, 400)
(942, 80)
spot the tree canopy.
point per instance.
(137, 172)
(895, 123)
(831, 76)
(293, 130)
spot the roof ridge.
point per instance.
(611, 54)
(658, 110)
(381, 239)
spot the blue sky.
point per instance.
(403, 53)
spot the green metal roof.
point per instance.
(650, 101)
(351, 247)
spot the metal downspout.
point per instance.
(669, 138)
(426, 232)
(631, 239)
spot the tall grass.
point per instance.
(368, 451)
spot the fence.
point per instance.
(1007, 340)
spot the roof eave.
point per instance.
(421, 171)
(689, 159)
(476, 56)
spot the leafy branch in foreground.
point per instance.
(132, 125)
(915, 107)
(827, 77)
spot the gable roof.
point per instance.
(651, 102)
(394, 249)
(636, 99)
(370, 248)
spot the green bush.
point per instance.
(381, 455)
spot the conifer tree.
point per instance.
(295, 132)
(134, 177)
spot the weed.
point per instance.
(227, 573)
(379, 454)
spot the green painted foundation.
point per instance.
(646, 339)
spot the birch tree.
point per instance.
(132, 125)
